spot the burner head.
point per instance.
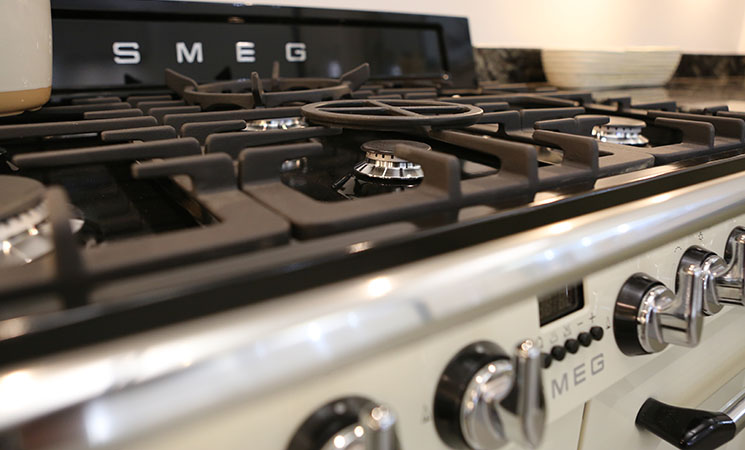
(25, 232)
(22, 237)
(19, 195)
(380, 162)
(280, 123)
(622, 130)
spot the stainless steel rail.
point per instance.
(125, 388)
(735, 409)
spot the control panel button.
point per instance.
(597, 332)
(585, 339)
(572, 345)
(546, 359)
(558, 352)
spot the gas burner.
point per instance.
(25, 232)
(19, 195)
(21, 235)
(622, 130)
(281, 123)
(250, 93)
(381, 163)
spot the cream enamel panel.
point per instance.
(682, 377)
(586, 374)
(405, 378)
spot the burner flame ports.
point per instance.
(622, 130)
(382, 163)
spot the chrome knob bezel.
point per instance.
(648, 316)
(486, 399)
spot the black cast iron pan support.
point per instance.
(251, 93)
(71, 275)
(521, 125)
(439, 192)
(236, 222)
(515, 100)
(65, 273)
(517, 179)
(581, 125)
(580, 165)
(613, 158)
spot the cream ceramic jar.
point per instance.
(25, 55)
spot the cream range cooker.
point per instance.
(364, 260)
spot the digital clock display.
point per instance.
(558, 304)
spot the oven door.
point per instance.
(705, 378)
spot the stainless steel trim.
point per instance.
(524, 419)
(735, 409)
(648, 326)
(379, 425)
(676, 318)
(480, 423)
(350, 438)
(729, 284)
(718, 270)
(259, 348)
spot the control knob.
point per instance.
(648, 316)
(349, 423)
(486, 399)
(726, 273)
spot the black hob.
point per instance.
(138, 198)
(133, 209)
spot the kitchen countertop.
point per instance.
(688, 92)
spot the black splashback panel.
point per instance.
(114, 43)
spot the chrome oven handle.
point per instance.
(693, 428)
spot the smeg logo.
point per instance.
(578, 375)
(245, 52)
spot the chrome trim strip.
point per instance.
(131, 386)
(735, 409)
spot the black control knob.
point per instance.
(340, 422)
(486, 398)
(648, 316)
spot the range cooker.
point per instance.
(386, 255)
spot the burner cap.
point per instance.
(622, 130)
(381, 163)
(281, 123)
(21, 217)
(19, 195)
